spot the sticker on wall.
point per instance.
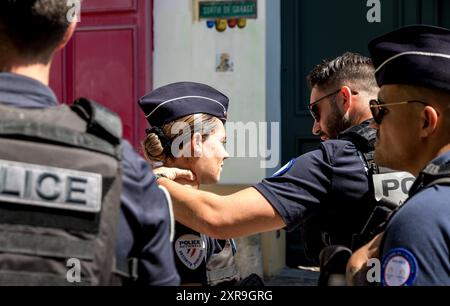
(221, 25)
(242, 22)
(232, 22)
(224, 62)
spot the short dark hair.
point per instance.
(34, 28)
(349, 68)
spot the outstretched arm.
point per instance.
(240, 214)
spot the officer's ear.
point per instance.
(346, 94)
(429, 121)
(68, 35)
(197, 144)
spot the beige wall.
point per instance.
(186, 50)
(273, 248)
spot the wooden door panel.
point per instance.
(108, 5)
(112, 51)
(57, 77)
(109, 60)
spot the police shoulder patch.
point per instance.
(285, 168)
(191, 250)
(399, 268)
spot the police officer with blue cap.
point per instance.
(61, 187)
(412, 115)
(187, 132)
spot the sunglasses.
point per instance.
(379, 109)
(314, 106)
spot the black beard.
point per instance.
(337, 122)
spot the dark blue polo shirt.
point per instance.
(330, 182)
(415, 247)
(143, 229)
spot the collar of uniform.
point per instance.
(362, 136)
(442, 159)
(22, 91)
(431, 169)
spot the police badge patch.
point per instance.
(191, 250)
(399, 268)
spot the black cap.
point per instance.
(177, 100)
(414, 55)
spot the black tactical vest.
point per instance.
(352, 229)
(388, 188)
(60, 185)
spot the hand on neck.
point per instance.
(188, 183)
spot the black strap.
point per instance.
(440, 181)
(58, 135)
(47, 217)
(127, 268)
(333, 260)
(436, 174)
(100, 121)
(431, 175)
(48, 246)
(374, 224)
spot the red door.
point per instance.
(109, 60)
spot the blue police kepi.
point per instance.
(200, 259)
(415, 249)
(176, 100)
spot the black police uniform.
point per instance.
(415, 248)
(325, 192)
(199, 258)
(143, 230)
